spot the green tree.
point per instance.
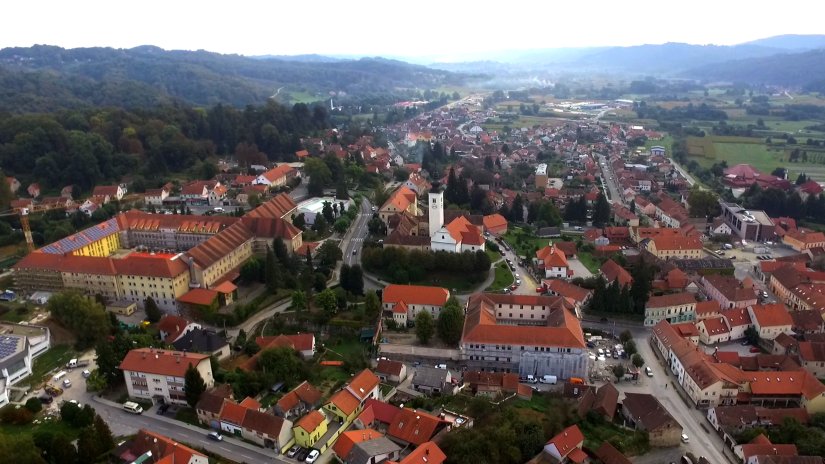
(424, 327)
(34, 405)
(272, 275)
(752, 336)
(299, 300)
(88, 448)
(327, 301)
(6, 195)
(601, 211)
(153, 313)
(83, 316)
(280, 363)
(341, 225)
(451, 322)
(320, 224)
(103, 434)
(319, 174)
(372, 305)
(19, 449)
(251, 270)
(355, 283)
(642, 283)
(625, 336)
(517, 210)
(299, 221)
(329, 253)
(193, 385)
(327, 212)
(108, 366)
(637, 360)
(619, 371)
(703, 203)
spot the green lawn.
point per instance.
(524, 244)
(16, 312)
(56, 356)
(52, 425)
(493, 255)
(504, 278)
(590, 262)
(666, 142)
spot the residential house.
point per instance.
(377, 415)
(762, 446)
(812, 357)
(680, 246)
(217, 195)
(377, 450)
(403, 302)
(402, 199)
(310, 428)
(713, 330)
(804, 239)
(578, 297)
(155, 197)
(425, 453)
(172, 328)
(608, 454)
(151, 373)
(738, 321)
(150, 447)
(347, 402)
(729, 291)
(413, 427)
(770, 320)
(675, 307)
(494, 384)
(33, 190)
(203, 341)
(433, 380)
(611, 271)
(707, 309)
(602, 401)
(495, 224)
(276, 176)
(266, 429)
(567, 446)
(643, 411)
(110, 192)
(552, 262)
(298, 401)
(417, 183)
(719, 227)
(210, 405)
(391, 371)
(14, 184)
(304, 343)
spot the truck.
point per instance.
(74, 362)
(551, 379)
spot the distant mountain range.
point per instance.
(44, 78)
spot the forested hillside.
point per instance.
(46, 78)
(87, 147)
(790, 69)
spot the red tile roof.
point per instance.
(562, 329)
(199, 296)
(413, 426)
(161, 362)
(612, 271)
(416, 294)
(311, 421)
(673, 299)
(771, 315)
(552, 257)
(298, 342)
(386, 366)
(348, 439)
(363, 383)
(263, 422)
(495, 223)
(736, 317)
(677, 242)
(304, 392)
(567, 440)
(279, 172)
(233, 412)
(401, 198)
(567, 290)
(173, 326)
(163, 448)
(381, 411)
(277, 207)
(345, 401)
(706, 308)
(425, 453)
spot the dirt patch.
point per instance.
(59, 334)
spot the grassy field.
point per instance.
(504, 278)
(666, 142)
(590, 262)
(55, 357)
(523, 243)
(630, 442)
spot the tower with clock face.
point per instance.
(435, 203)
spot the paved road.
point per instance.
(683, 172)
(353, 240)
(610, 180)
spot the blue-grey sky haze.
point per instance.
(442, 29)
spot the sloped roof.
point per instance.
(172, 325)
(413, 426)
(277, 207)
(494, 222)
(348, 439)
(646, 409)
(401, 198)
(381, 411)
(386, 366)
(612, 271)
(200, 340)
(263, 422)
(311, 421)
(233, 412)
(567, 440)
(199, 296)
(771, 315)
(416, 294)
(673, 299)
(608, 454)
(303, 392)
(160, 362)
(345, 401)
(425, 453)
(363, 383)
(216, 247)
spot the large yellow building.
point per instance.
(217, 247)
(679, 246)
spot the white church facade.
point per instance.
(458, 236)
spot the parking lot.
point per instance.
(604, 355)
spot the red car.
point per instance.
(539, 289)
(755, 349)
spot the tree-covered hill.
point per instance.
(45, 78)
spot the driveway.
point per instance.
(578, 268)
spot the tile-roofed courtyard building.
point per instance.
(413, 299)
(530, 335)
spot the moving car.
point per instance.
(215, 436)
(685, 438)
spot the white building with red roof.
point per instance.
(152, 373)
(458, 236)
(528, 334)
(567, 446)
(402, 303)
(553, 262)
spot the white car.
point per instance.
(685, 438)
(67, 383)
(312, 456)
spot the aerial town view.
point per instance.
(281, 234)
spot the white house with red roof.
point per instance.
(276, 176)
(553, 262)
(403, 302)
(567, 446)
(173, 327)
(152, 373)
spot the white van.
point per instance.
(59, 376)
(218, 209)
(551, 379)
(132, 407)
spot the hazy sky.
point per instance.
(443, 28)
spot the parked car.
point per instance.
(86, 373)
(755, 349)
(648, 371)
(67, 383)
(302, 454)
(312, 456)
(685, 438)
(215, 436)
(294, 450)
